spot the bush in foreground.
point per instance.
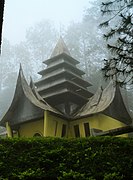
(91, 158)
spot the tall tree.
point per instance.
(6, 61)
(86, 43)
(119, 21)
(22, 55)
(40, 40)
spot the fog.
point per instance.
(20, 15)
(30, 31)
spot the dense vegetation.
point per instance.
(120, 22)
(54, 158)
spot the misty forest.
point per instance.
(84, 40)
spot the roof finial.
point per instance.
(60, 30)
(20, 66)
(20, 70)
(60, 48)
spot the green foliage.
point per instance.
(54, 158)
(119, 66)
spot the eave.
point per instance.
(65, 56)
(63, 73)
(65, 65)
(70, 85)
(63, 96)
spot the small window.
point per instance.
(37, 135)
(63, 130)
(87, 129)
(76, 130)
(56, 125)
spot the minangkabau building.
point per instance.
(59, 104)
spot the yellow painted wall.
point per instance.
(50, 126)
(29, 129)
(9, 130)
(99, 121)
(53, 126)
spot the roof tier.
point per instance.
(69, 97)
(66, 57)
(62, 80)
(62, 64)
(62, 73)
(55, 86)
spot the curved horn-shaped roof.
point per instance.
(98, 102)
(25, 91)
(108, 101)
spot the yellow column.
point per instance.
(45, 122)
(70, 130)
(9, 130)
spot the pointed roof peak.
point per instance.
(60, 48)
(20, 66)
(21, 74)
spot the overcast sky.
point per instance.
(19, 15)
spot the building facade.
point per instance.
(59, 104)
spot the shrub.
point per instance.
(107, 158)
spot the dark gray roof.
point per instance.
(26, 104)
(30, 95)
(35, 92)
(98, 102)
(118, 109)
(114, 132)
(68, 90)
(108, 101)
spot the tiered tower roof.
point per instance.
(63, 92)
(61, 83)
